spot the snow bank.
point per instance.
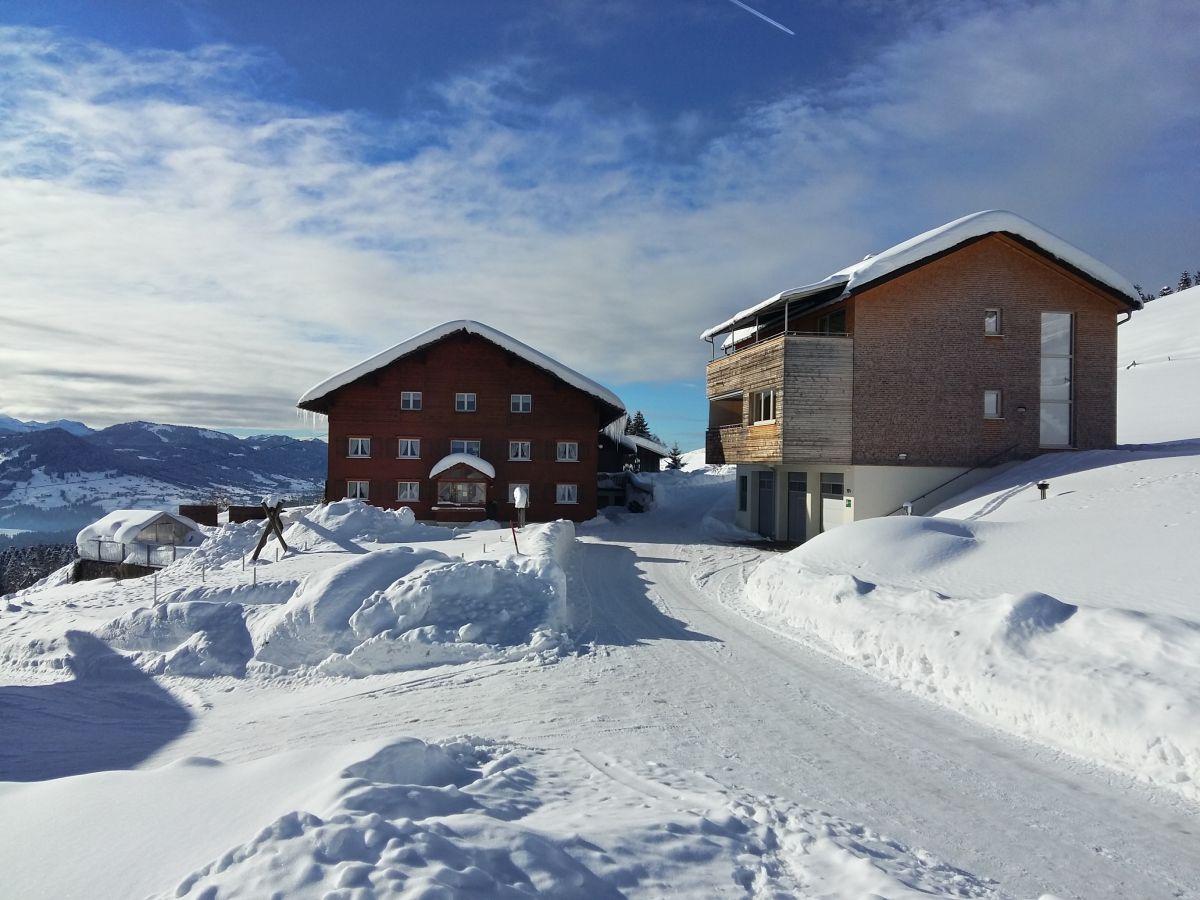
(1158, 359)
(194, 638)
(353, 520)
(401, 608)
(464, 817)
(1112, 685)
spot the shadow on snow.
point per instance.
(110, 716)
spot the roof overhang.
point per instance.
(483, 467)
(930, 245)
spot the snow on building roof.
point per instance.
(635, 442)
(938, 240)
(425, 338)
(466, 459)
(121, 526)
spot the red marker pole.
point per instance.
(513, 526)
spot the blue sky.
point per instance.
(193, 187)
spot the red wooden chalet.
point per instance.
(451, 421)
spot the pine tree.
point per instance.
(1185, 281)
(675, 460)
(637, 425)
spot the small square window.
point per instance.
(568, 451)
(991, 321)
(469, 447)
(520, 451)
(409, 448)
(410, 399)
(762, 407)
(566, 493)
(357, 490)
(992, 408)
(464, 403)
(521, 403)
(359, 447)
(408, 491)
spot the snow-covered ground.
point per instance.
(1159, 371)
(680, 748)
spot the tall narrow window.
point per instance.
(991, 405)
(991, 322)
(762, 407)
(464, 403)
(1056, 388)
(359, 447)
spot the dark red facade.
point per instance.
(466, 363)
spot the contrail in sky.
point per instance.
(755, 12)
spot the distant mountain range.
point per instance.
(59, 476)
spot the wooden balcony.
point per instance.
(812, 376)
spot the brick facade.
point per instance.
(467, 363)
(922, 361)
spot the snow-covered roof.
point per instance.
(425, 338)
(121, 526)
(635, 442)
(938, 240)
(466, 459)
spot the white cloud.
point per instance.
(217, 254)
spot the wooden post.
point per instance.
(513, 526)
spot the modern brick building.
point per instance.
(453, 420)
(980, 342)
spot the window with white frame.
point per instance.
(410, 399)
(409, 448)
(357, 490)
(992, 408)
(469, 447)
(991, 321)
(521, 451)
(464, 403)
(566, 493)
(512, 491)
(359, 447)
(762, 406)
(521, 403)
(409, 491)
(568, 451)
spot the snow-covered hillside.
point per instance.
(1158, 381)
(53, 480)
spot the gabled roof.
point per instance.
(123, 525)
(462, 459)
(313, 396)
(937, 241)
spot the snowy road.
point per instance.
(678, 674)
(753, 708)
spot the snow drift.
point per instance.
(1113, 685)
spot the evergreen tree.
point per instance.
(1185, 281)
(637, 425)
(675, 460)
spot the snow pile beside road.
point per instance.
(1112, 685)
(465, 817)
